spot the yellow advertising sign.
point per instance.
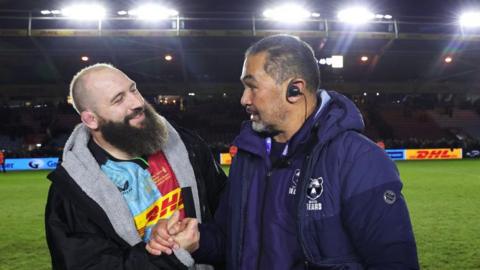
(435, 153)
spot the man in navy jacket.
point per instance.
(306, 189)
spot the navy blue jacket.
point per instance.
(348, 211)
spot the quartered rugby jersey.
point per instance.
(147, 184)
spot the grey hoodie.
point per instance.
(80, 164)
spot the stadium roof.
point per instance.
(399, 8)
(207, 48)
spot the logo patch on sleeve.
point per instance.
(389, 197)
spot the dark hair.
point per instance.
(288, 56)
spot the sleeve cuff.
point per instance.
(184, 257)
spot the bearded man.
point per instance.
(123, 169)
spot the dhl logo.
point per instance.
(435, 153)
(160, 209)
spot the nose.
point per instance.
(246, 97)
(136, 100)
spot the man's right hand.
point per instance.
(189, 237)
(171, 234)
(160, 239)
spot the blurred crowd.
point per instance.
(40, 130)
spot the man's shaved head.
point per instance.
(78, 85)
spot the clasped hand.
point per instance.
(174, 233)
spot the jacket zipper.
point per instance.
(302, 205)
(260, 249)
(308, 171)
(243, 211)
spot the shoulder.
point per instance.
(59, 175)
(63, 186)
(197, 148)
(356, 153)
(362, 165)
(189, 137)
(60, 192)
(354, 144)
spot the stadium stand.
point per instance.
(416, 124)
(419, 124)
(464, 120)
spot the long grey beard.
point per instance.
(135, 141)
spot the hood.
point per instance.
(82, 167)
(339, 115)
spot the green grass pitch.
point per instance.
(443, 198)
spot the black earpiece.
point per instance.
(293, 91)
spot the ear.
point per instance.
(89, 119)
(300, 85)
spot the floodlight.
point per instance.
(56, 12)
(383, 16)
(364, 58)
(122, 12)
(88, 12)
(355, 15)
(448, 59)
(337, 61)
(290, 13)
(84, 58)
(153, 12)
(470, 19)
(45, 12)
(168, 57)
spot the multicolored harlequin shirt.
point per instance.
(147, 184)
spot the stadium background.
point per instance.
(411, 97)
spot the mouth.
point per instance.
(254, 115)
(137, 115)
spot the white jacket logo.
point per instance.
(315, 188)
(293, 186)
(314, 191)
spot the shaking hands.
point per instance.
(171, 234)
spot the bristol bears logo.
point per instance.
(315, 188)
(314, 191)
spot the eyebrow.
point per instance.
(133, 85)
